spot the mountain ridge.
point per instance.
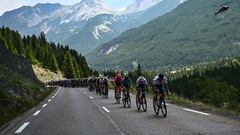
(189, 34)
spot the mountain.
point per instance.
(105, 27)
(57, 21)
(27, 17)
(84, 25)
(189, 34)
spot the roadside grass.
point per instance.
(45, 75)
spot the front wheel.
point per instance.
(129, 101)
(138, 104)
(163, 107)
(144, 103)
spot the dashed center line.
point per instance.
(53, 96)
(105, 109)
(196, 111)
(49, 100)
(91, 97)
(44, 105)
(22, 127)
(36, 113)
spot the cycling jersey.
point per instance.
(158, 84)
(118, 80)
(141, 81)
(126, 82)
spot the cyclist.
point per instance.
(141, 84)
(126, 83)
(117, 83)
(160, 85)
(105, 84)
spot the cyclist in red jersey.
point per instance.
(117, 83)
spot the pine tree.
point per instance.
(139, 70)
(76, 68)
(68, 66)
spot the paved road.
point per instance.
(80, 112)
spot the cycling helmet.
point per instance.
(160, 75)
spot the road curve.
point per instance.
(71, 111)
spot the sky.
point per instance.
(8, 5)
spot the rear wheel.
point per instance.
(155, 106)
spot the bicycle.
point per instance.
(141, 99)
(159, 103)
(126, 98)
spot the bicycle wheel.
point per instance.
(118, 98)
(144, 103)
(106, 93)
(163, 107)
(128, 100)
(124, 101)
(138, 104)
(155, 106)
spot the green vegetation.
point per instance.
(216, 84)
(18, 94)
(51, 56)
(190, 34)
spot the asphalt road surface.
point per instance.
(70, 111)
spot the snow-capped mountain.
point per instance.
(84, 25)
(29, 16)
(84, 10)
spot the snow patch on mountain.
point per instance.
(102, 28)
(45, 28)
(84, 10)
(111, 49)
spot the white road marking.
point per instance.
(105, 109)
(91, 97)
(196, 111)
(36, 113)
(130, 94)
(84, 92)
(22, 127)
(44, 105)
(49, 100)
(53, 96)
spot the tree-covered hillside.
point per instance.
(217, 84)
(19, 87)
(52, 56)
(188, 35)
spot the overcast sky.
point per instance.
(7, 5)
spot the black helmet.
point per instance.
(160, 75)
